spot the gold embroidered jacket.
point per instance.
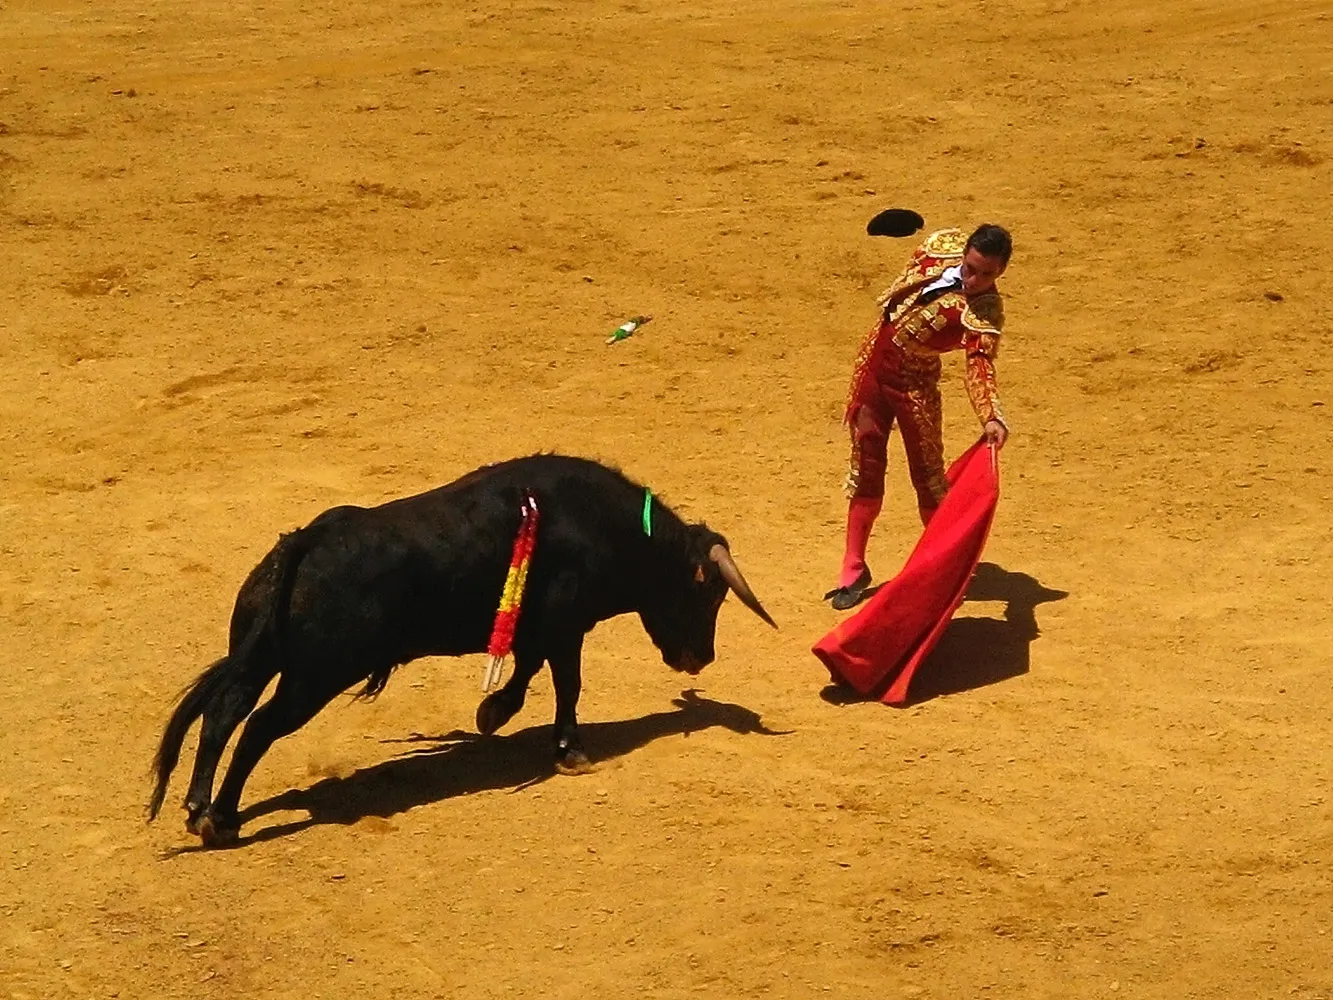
(911, 336)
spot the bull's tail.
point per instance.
(190, 707)
(224, 672)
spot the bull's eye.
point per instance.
(698, 574)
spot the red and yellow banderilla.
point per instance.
(511, 597)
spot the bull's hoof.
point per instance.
(214, 833)
(193, 814)
(492, 713)
(574, 762)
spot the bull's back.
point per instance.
(422, 575)
(409, 578)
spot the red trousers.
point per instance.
(884, 399)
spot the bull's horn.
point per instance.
(732, 574)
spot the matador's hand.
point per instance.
(996, 433)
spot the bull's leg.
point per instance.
(220, 720)
(499, 707)
(293, 705)
(566, 658)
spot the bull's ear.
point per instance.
(698, 573)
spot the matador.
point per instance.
(944, 300)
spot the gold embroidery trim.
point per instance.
(984, 314)
(979, 377)
(945, 243)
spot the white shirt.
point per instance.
(952, 277)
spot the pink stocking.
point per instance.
(861, 514)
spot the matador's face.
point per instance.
(980, 271)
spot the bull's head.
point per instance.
(682, 618)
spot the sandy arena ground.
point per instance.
(258, 259)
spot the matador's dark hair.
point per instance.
(991, 240)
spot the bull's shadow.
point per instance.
(459, 763)
(976, 652)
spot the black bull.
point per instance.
(360, 591)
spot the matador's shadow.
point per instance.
(458, 763)
(976, 652)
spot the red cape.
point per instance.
(878, 649)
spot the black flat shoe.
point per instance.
(843, 598)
